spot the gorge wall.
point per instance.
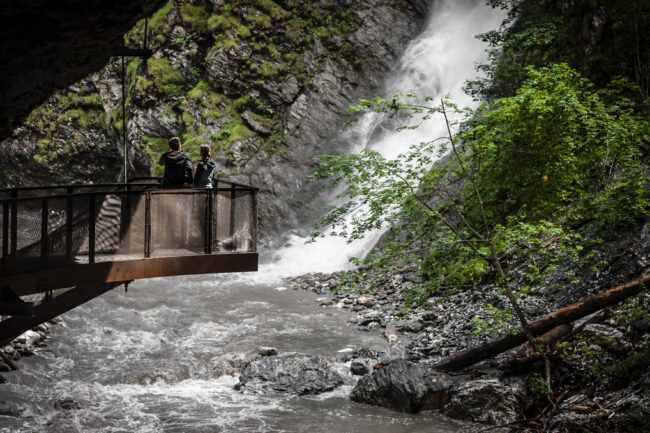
(48, 45)
(265, 83)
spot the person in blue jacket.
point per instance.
(205, 169)
(178, 166)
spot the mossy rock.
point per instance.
(165, 77)
(628, 370)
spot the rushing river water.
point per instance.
(156, 359)
(178, 333)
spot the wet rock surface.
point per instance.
(50, 46)
(486, 400)
(169, 372)
(292, 373)
(403, 386)
(66, 404)
(25, 344)
(359, 368)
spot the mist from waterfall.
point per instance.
(438, 62)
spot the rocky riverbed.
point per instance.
(601, 374)
(25, 345)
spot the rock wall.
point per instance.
(266, 84)
(48, 45)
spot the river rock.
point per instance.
(228, 364)
(29, 338)
(9, 408)
(66, 404)
(171, 373)
(486, 400)
(358, 368)
(292, 373)
(392, 353)
(607, 337)
(365, 301)
(403, 386)
(268, 351)
(2, 380)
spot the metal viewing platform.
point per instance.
(64, 245)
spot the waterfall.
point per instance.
(438, 62)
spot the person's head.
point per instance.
(205, 150)
(175, 143)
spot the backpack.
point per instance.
(188, 176)
(205, 170)
(178, 169)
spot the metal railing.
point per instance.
(56, 226)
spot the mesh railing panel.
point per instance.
(180, 222)
(56, 227)
(243, 224)
(108, 222)
(28, 234)
(236, 225)
(132, 223)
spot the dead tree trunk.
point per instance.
(546, 323)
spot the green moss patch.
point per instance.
(233, 130)
(157, 20)
(195, 16)
(165, 77)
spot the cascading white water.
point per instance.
(436, 63)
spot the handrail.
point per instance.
(74, 185)
(136, 179)
(185, 190)
(132, 182)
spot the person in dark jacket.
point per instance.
(178, 166)
(205, 169)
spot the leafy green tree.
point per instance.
(599, 38)
(559, 146)
(562, 147)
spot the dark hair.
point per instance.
(205, 150)
(174, 143)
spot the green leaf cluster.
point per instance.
(562, 147)
(558, 154)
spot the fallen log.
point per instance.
(600, 317)
(528, 354)
(544, 324)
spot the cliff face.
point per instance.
(47, 45)
(265, 83)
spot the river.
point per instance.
(156, 359)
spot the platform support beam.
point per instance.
(48, 310)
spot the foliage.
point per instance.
(599, 38)
(499, 320)
(555, 146)
(233, 130)
(195, 16)
(544, 161)
(629, 369)
(165, 77)
(155, 146)
(154, 25)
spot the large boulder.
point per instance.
(403, 386)
(292, 373)
(486, 400)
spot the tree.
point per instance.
(551, 149)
